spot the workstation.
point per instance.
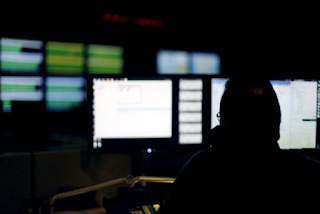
(101, 94)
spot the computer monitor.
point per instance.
(62, 94)
(20, 88)
(205, 63)
(21, 56)
(130, 113)
(64, 58)
(176, 62)
(104, 59)
(298, 102)
(190, 111)
(298, 99)
(173, 62)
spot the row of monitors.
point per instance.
(58, 58)
(61, 94)
(25, 57)
(156, 113)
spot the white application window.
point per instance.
(303, 124)
(217, 89)
(132, 109)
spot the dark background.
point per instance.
(271, 38)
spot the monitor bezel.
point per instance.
(128, 145)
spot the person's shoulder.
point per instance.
(302, 161)
(199, 160)
(299, 157)
(201, 155)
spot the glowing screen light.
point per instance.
(65, 58)
(205, 63)
(172, 62)
(21, 56)
(20, 89)
(103, 59)
(127, 109)
(64, 93)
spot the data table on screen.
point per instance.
(298, 102)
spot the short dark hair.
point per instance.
(250, 106)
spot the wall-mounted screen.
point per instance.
(64, 58)
(20, 89)
(185, 62)
(172, 62)
(64, 93)
(205, 63)
(21, 56)
(104, 59)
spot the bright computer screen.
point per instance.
(190, 111)
(131, 109)
(64, 58)
(21, 56)
(298, 103)
(20, 89)
(217, 89)
(204, 63)
(64, 93)
(104, 59)
(173, 62)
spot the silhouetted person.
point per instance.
(245, 170)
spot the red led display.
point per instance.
(114, 18)
(148, 22)
(137, 21)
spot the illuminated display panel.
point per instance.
(21, 56)
(190, 111)
(205, 63)
(128, 108)
(64, 58)
(124, 110)
(20, 89)
(64, 93)
(298, 103)
(103, 59)
(172, 62)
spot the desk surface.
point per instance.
(98, 210)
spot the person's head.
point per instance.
(249, 108)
